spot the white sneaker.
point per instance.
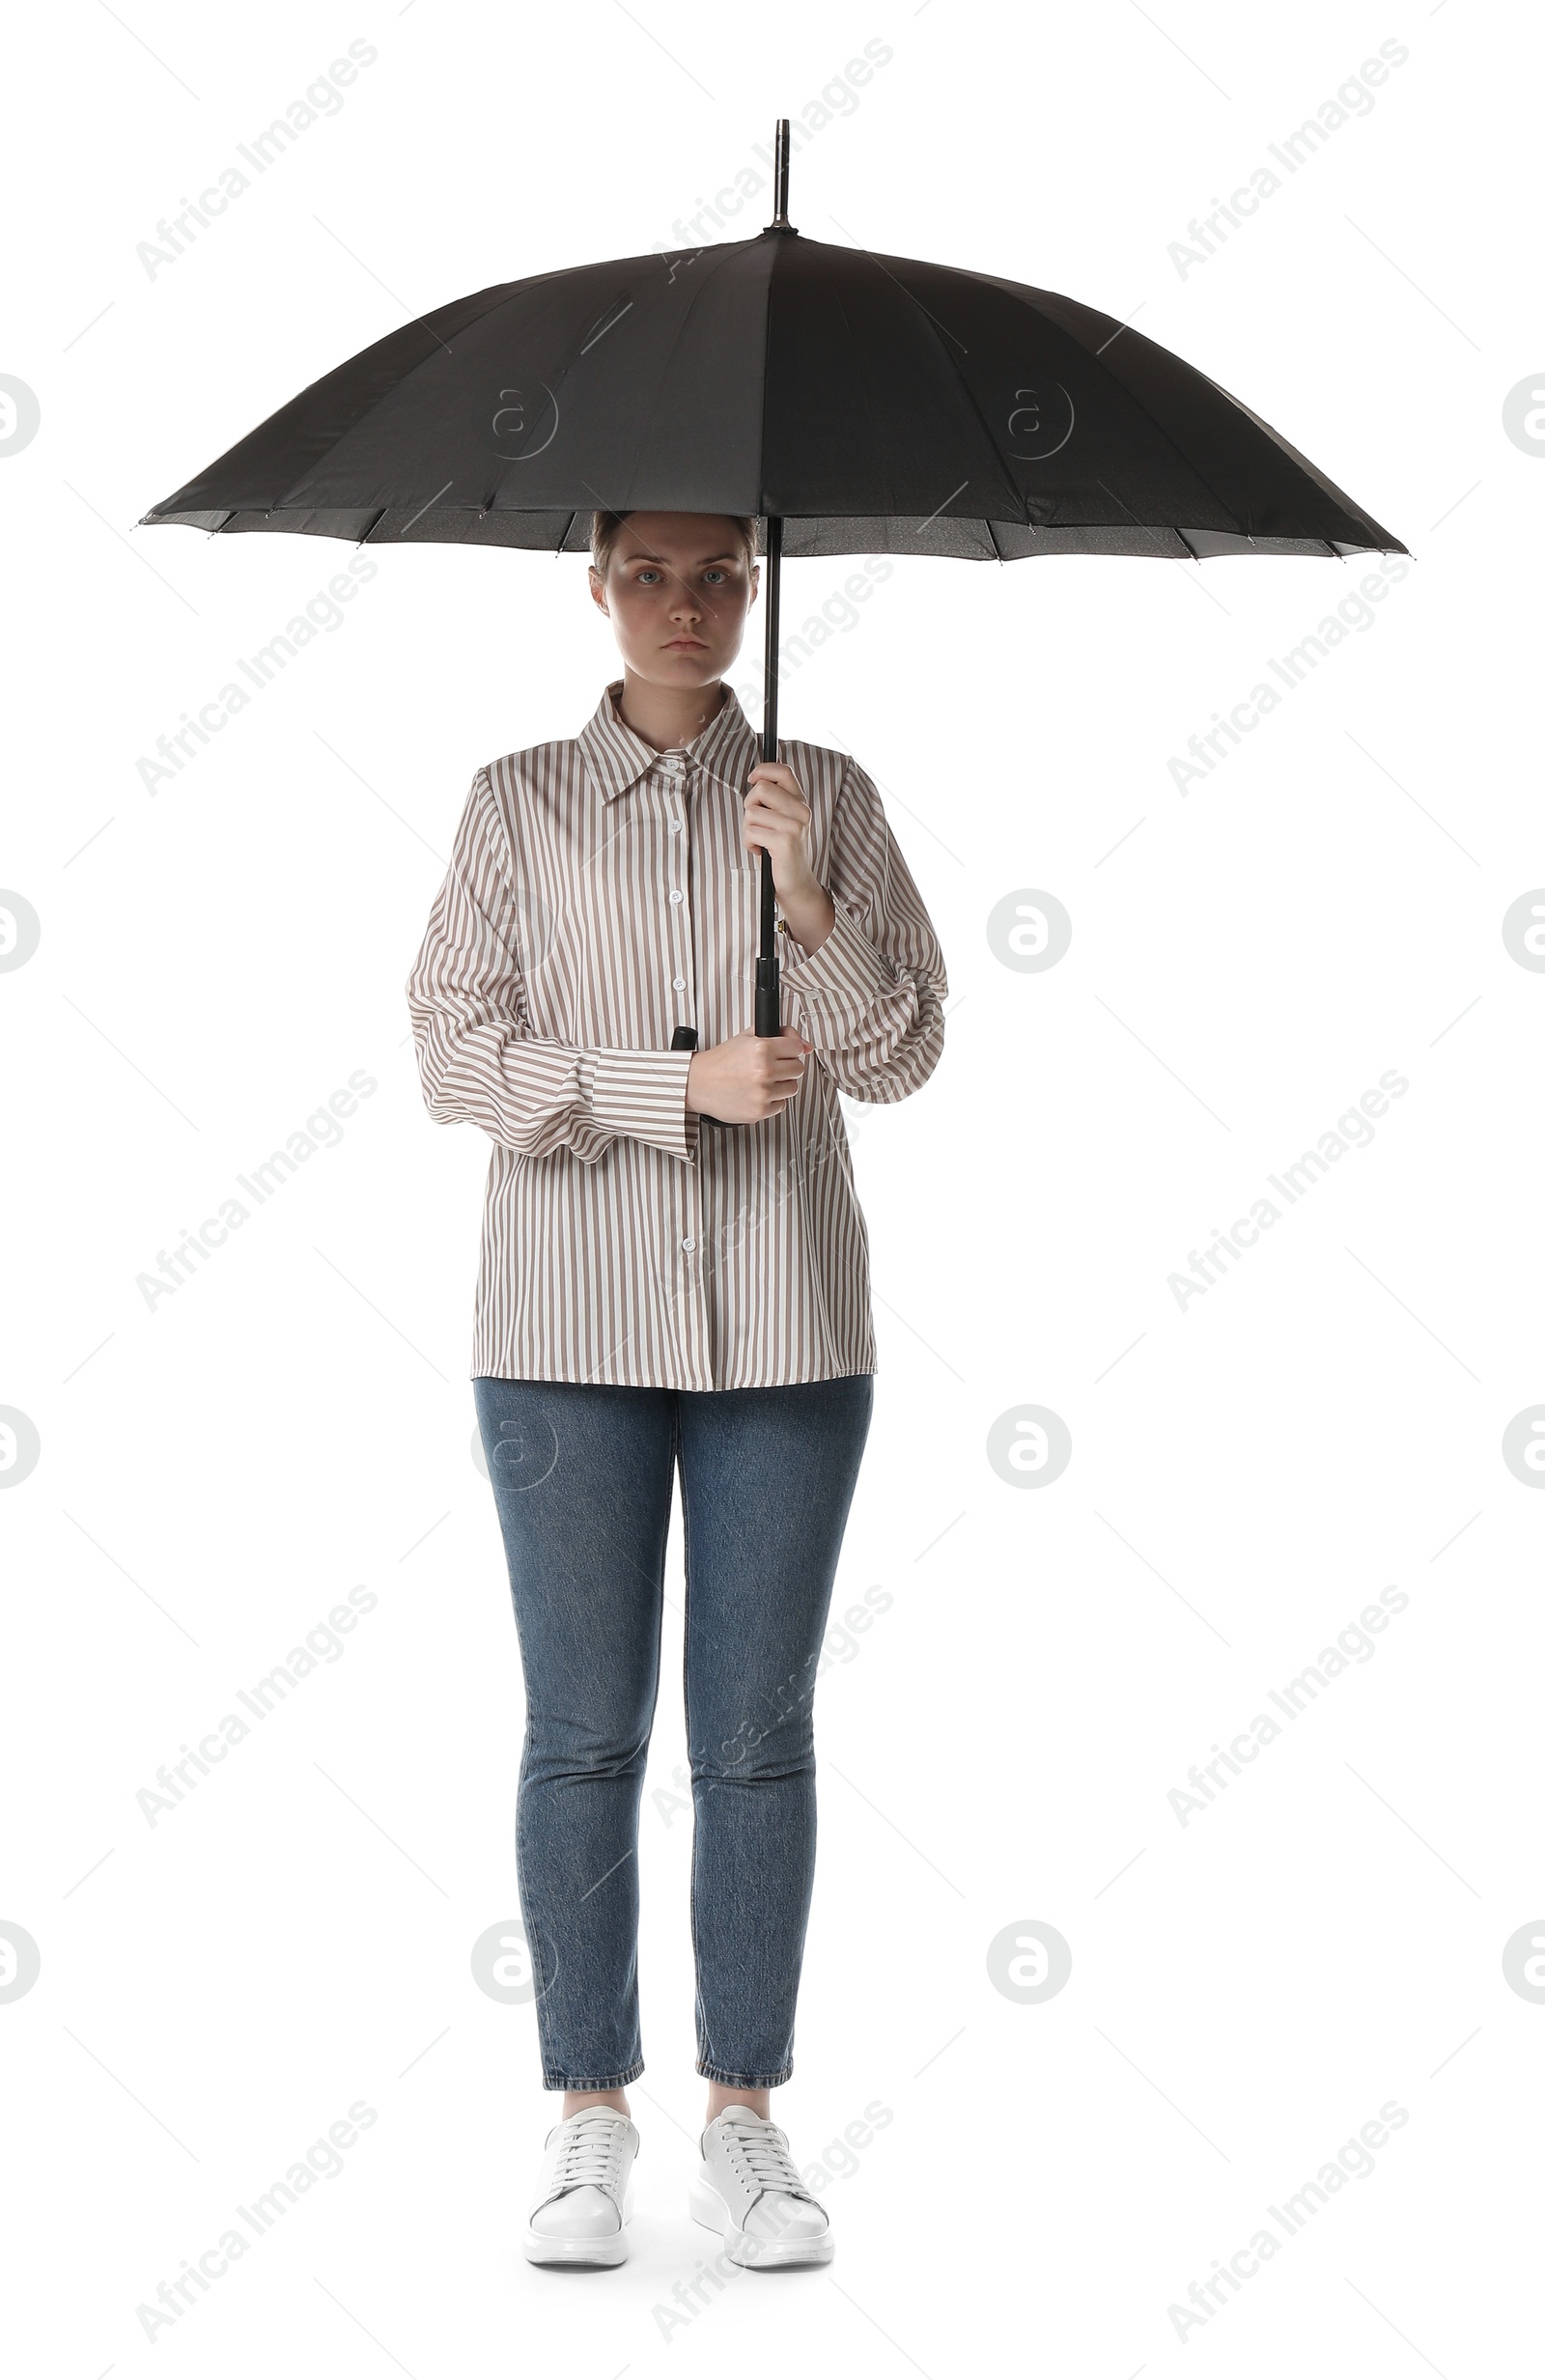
(747, 2189)
(585, 2194)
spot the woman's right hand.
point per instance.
(748, 1077)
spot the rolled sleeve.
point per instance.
(843, 979)
(870, 999)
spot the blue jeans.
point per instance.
(582, 1480)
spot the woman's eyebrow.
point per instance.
(702, 565)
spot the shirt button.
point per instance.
(675, 825)
(678, 982)
(675, 897)
(689, 1246)
(675, 768)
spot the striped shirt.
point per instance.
(599, 896)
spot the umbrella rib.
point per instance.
(692, 306)
(1231, 511)
(1300, 463)
(901, 284)
(966, 390)
(1133, 398)
(1014, 290)
(501, 297)
(1156, 531)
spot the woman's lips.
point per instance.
(686, 644)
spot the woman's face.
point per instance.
(677, 591)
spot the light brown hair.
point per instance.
(604, 529)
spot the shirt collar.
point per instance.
(617, 758)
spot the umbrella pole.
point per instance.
(768, 1023)
(768, 1019)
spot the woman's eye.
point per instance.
(718, 577)
(643, 575)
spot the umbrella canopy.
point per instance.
(873, 403)
(856, 402)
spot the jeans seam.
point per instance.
(533, 1932)
(704, 2045)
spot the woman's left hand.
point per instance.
(777, 820)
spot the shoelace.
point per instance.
(591, 2153)
(765, 2150)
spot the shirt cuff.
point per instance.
(641, 1094)
(840, 982)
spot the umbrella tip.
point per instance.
(780, 179)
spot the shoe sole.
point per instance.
(540, 2249)
(743, 2247)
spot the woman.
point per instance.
(674, 1277)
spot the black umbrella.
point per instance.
(856, 402)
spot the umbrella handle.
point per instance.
(769, 1019)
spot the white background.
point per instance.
(1248, 1472)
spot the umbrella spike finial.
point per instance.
(780, 178)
